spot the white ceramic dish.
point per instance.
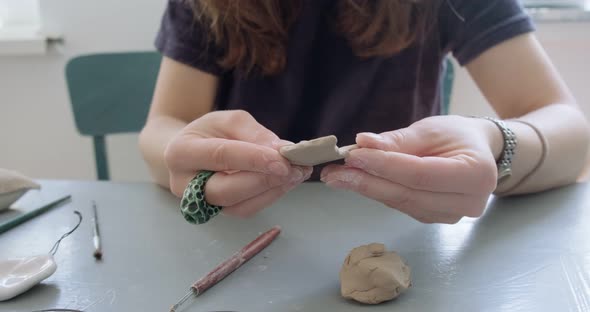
(21, 274)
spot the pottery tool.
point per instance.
(316, 152)
(96, 238)
(30, 215)
(228, 266)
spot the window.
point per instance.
(557, 3)
(20, 28)
(19, 14)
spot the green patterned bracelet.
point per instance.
(194, 207)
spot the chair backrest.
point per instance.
(447, 86)
(111, 93)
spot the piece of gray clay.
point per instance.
(315, 152)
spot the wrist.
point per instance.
(508, 151)
(494, 137)
(517, 149)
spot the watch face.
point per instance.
(504, 173)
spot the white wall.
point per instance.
(568, 45)
(37, 131)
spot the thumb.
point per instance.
(241, 126)
(404, 140)
(277, 144)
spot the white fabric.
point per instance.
(12, 186)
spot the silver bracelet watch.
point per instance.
(510, 142)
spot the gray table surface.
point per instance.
(530, 253)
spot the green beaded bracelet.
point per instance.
(193, 206)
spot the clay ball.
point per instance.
(372, 275)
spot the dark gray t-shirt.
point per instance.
(325, 89)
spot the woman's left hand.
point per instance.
(438, 170)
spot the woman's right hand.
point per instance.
(250, 172)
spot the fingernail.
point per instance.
(297, 175)
(278, 168)
(373, 136)
(355, 162)
(324, 177)
(308, 174)
(336, 184)
(347, 178)
(281, 143)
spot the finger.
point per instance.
(253, 205)
(223, 155)
(422, 205)
(404, 140)
(421, 215)
(307, 172)
(242, 126)
(179, 181)
(462, 174)
(225, 189)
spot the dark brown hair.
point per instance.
(254, 33)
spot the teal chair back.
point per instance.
(447, 86)
(111, 93)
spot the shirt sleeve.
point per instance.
(469, 28)
(182, 38)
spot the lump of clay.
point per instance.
(315, 152)
(372, 275)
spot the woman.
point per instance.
(240, 78)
